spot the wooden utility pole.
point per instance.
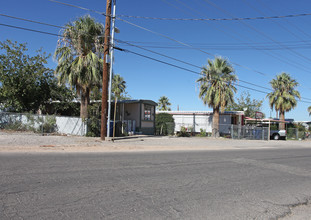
(103, 130)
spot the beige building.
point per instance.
(138, 116)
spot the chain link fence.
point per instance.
(295, 134)
(44, 124)
(249, 132)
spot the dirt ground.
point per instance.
(30, 142)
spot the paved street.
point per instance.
(239, 184)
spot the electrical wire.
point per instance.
(28, 20)
(215, 47)
(157, 60)
(188, 70)
(256, 30)
(167, 37)
(279, 57)
(243, 81)
(162, 45)
(190, 64)
(216, 19)
(192, 19)
(276, 22)
(143, 28)
(79, 7)
(288, 22)
(28, 29)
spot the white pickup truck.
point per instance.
(278, 134)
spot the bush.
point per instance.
(93, 122)
(202, 133)
(164, 124)
(183, 132)
(49, 124)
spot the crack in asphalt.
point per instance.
(274, 166)
(291, 207)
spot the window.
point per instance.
(147, 113)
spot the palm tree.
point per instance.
(217, 88)
(118, 87)
(163, 104)
(283, 97)
(79, 58)
(309, 110)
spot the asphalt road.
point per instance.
(240, 184)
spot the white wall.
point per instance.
(70, 125)
(65, 125)
(200, 120)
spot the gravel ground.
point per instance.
(30, 142)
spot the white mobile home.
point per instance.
(197, 120)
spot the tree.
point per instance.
(283, 97)
(216, 88)
(25, 83)
(309, 110)
(245, 102)
(164, 104)
(164, 124)
(118, 87)
(79, 58)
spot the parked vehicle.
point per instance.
(278, 134)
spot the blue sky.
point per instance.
(261, 48)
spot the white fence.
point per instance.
(43, 123)
(204, 122)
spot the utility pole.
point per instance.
(103, 129)
(111, 69)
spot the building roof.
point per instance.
(269, 120)
(144, 101)
(200, 112)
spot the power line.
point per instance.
(277, 23)
(79, 7)
(28, 29)
(159, 34)
(190, 64)
(227, 46)
(224, 47)
(217, 19)
(188, 70)
(157, 60)
(221, 44)
(184, 62)
(28, 20)
(48, 33)
(165, 36)
(290, 23)
(279, 57)
(191, 19)
(256, 30)
(243, 81)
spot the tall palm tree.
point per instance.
(217, 88)
(163, 104)
(283, 97)
(118, 87)
(309, 110)
(79, 58)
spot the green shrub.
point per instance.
(93, 122)
(164, 124)
(49, 124)
(202, 133)
(183, 132)
(15, 126)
